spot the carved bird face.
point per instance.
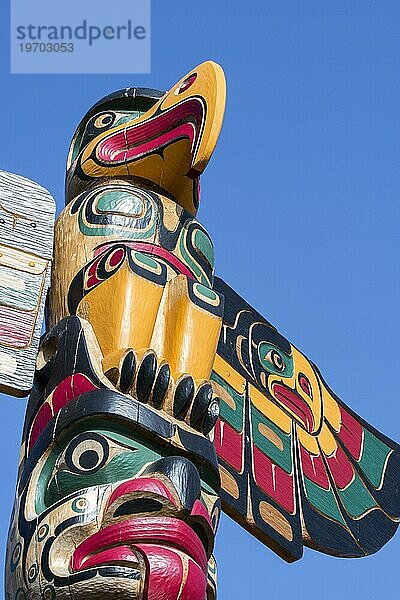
(163, 141)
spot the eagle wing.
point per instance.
(298, 467)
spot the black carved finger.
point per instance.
(161, 385)
(128, 369)
(200, 406)
(211, 416)
(145, 377)
(183, 396)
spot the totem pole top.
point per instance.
(158, 395)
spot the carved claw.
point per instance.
(151, 382)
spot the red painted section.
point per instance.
(351, 434)
(295, 403)
(16, 327)
(43, 416)
(169, 579)
(229, 445)
(142, 484)
(110, 556)
(185, 85)
(91, 277)
(181, 121)
(165, 572)
(341, 468)
(199, 510)
(314, 468)
(70, 388)
(164, 531)
(113, 151)
(153, 250)
(274, 481)
(116, 257)
(195, 585)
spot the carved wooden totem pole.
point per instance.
(157, 392)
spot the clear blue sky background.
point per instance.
(301, 199)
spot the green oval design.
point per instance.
(20, 594)
(204, 245)
(146, 260)
(118, 201)
(205, 291)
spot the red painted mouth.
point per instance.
(292, 400)
(113, 544)
(182, 121)
(122, 555)
(152, 250)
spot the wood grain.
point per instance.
(27, 214)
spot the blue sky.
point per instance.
(302, 202)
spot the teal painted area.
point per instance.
(127, 456)
(323, 500)
(207, 488)
(139, 224)
(146, 260)
(373, 458)
(126, 117)
(203, 243)
(18, 289)
(233, 417)
(190, 261)
(356, 498)
(205, 291)
(264, 349)
(283, 458)
(122, 202)
(44, 478)
(124, 466)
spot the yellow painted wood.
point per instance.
(270, 410)
(185, 335)
(122, 311)
(227, 372)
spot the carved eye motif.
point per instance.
(186, 84)
(104, 120)
(87, 453)
(276, 360)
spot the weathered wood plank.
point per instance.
(27, 213)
